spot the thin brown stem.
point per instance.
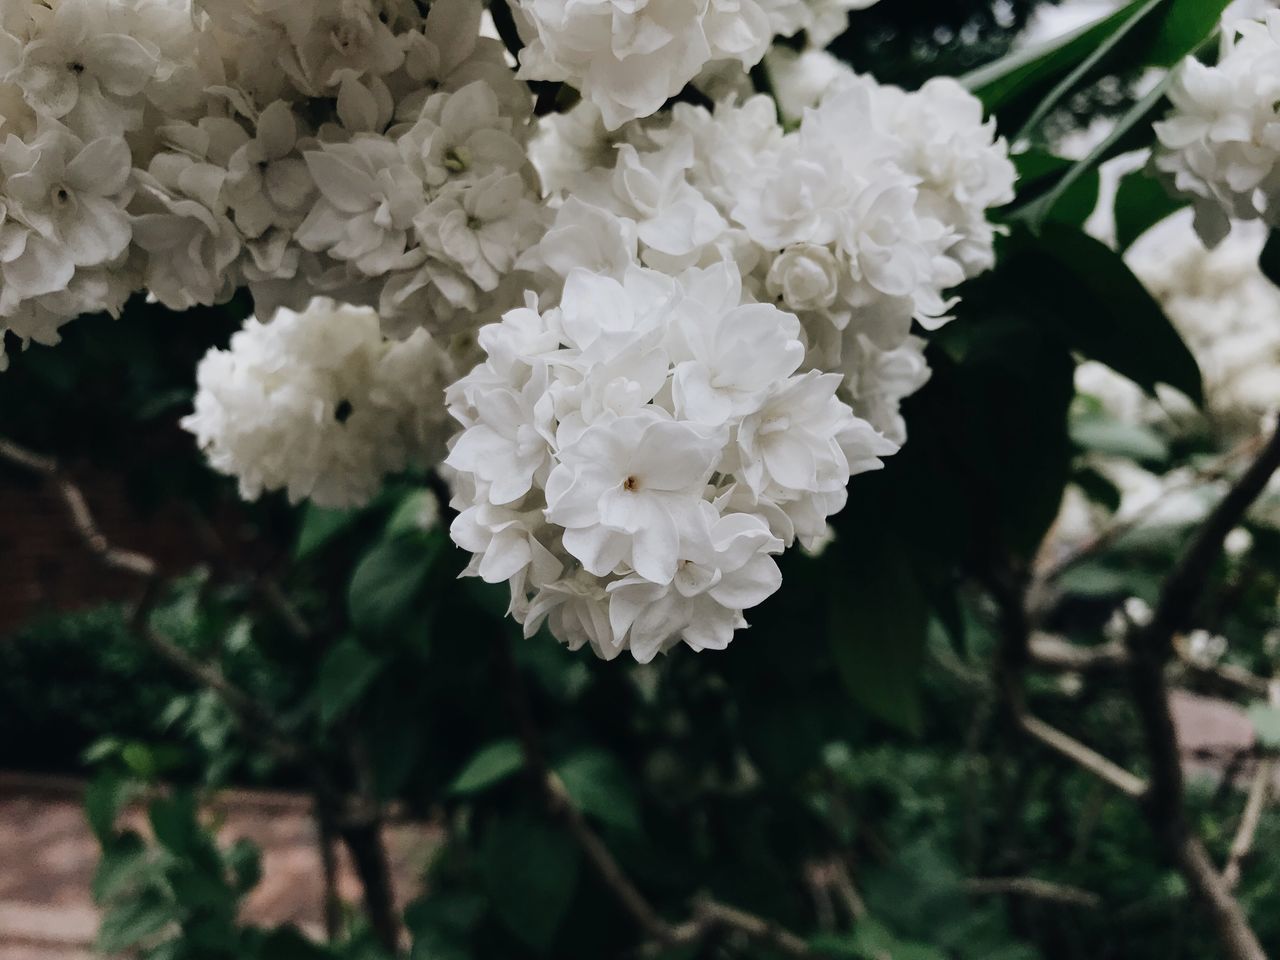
(1034, 889)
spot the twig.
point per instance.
(1034, 889)
(1086, 757)
(1255, 804)
(708, 915)
(1149, 650)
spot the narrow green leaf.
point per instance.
(173, 819)
(132, 923)
(1187, 25)
(345, 674)
(1023, 71)
(103, 801)
(1134, 16)
(491, 765)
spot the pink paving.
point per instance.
(48, 856)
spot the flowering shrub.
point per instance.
(651, 321)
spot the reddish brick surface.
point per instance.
(48, 856)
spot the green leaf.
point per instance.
(1111, 437)
(1026, 74)
(1266, 724)
(132, 923)
(493, 764)
(1185, 28)
(1132, 129)
(1077, 75)
(1141, 203)
(345, 674)
(319, 526)
(122, 866)
(878, 622)
(412, 513)
(1106, 313)
(1269, 260)
(173, 819)
(599, 786)
(104, 798)
(530, 869)
(387, 582)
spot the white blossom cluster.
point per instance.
(629, 58)
(633, 458)
(1220, 146)
(351, 148)
(320, 404)
(720, 339)
(859, 221)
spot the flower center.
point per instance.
(76, 67)
(631, 484)
(60, 196)
(457, 159)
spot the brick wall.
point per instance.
(44, 564)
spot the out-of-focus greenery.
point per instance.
(857, 722)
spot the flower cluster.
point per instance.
(721, 340)
(1220, 147)
(320, 404)
(633, 458)
(628, 59)
(858, 222)
(351, 148)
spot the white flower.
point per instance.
(625, 488)
(313, 403)
(1220, 146)
(628, 59)
(804, 277)
(724, 569)
(78, 67)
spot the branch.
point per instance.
(1149, 650)
(708, 915)
(1086, 757)
(1255, 804)
(1034, 889)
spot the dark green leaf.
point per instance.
(132, 923)
(173, 819)
(1186, 27)
(1141, 203)
(491, 765)
(878, 623)
(530, 869)
(1269, 261)
(345, 674)
(1109, 315)
(319, 526)
(103, 801)
(599, 786)
(122, 866)
(387, 582)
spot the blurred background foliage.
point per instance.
(855, 731)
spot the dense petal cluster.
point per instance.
(858, 222)
(629, 58)
(632, 459)
(352, 148)
(320, 404)
(1220, 147)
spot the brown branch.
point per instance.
(1150, 649)
(1255, 804)
(709, 916)
(1086, 757)
(1034, 889)
(359, 824)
